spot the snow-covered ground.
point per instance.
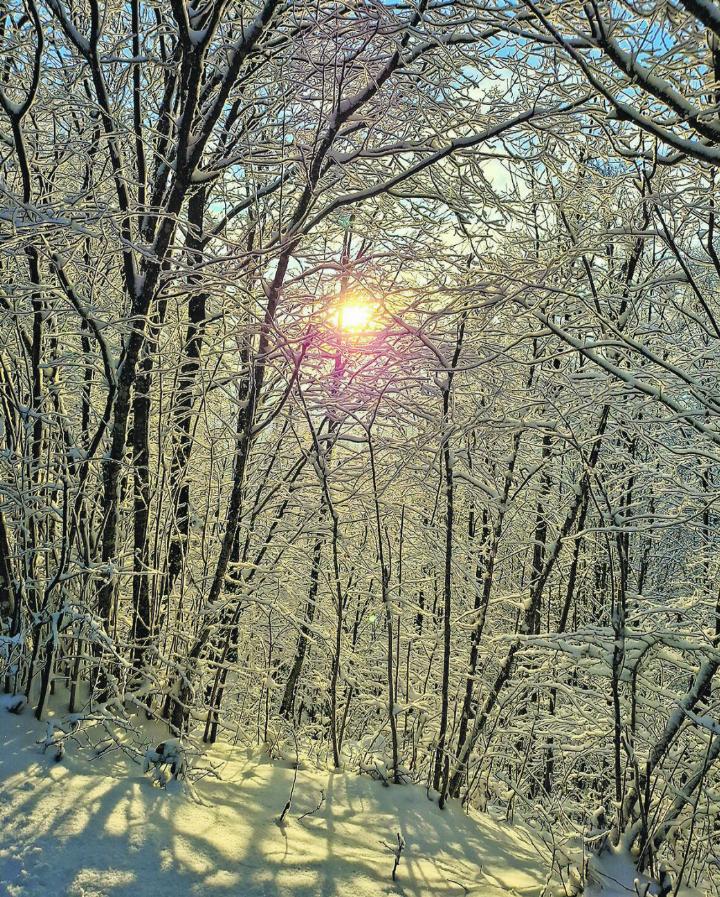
(89, 828)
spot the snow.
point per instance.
(613, 874)
(197, 37)
(87, 827)
(13, 109)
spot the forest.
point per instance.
(360, 405)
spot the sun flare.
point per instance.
(353, 317)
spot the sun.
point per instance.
(353, 317)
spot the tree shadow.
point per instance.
(87, 829)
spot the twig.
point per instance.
(286, 809)
(320, 803)
(396, 852)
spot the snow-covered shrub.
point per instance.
(11, 651)
(15, 704)
(57, 735)
(168, 760)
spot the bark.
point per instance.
(440, 774)
(288, 700)
(385, 591)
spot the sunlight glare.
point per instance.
(353, 317)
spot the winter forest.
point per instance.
(359, 447)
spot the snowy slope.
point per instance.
(97, 828)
